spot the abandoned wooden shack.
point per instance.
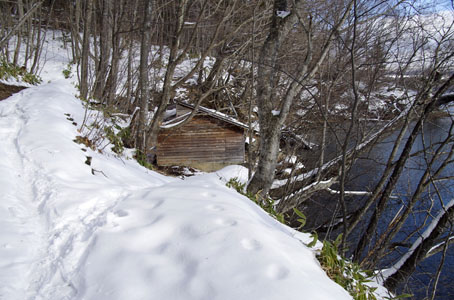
(210, 141)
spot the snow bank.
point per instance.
(195, 239)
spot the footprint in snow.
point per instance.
(162, 248)
(121, 213)
(157, 203)
(225, 222)
(209, 195)
(250, 244)
(276, 272)
(190, 232)
(12, 211)
(215, 207)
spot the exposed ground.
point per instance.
(7, 90)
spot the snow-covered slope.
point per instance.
(130, 233)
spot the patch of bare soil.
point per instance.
(176, 171)
(7, 90)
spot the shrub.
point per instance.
(67, 72)
(345, 273)
(267, 204)
(8, 70)
(348, 274)
(115, 139)
(142, 160)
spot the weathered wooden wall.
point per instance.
(204, 140)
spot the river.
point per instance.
(363, 176)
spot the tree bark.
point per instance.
(271, 116)
(143, 76)
(85, 50)
(29, 13)
(267, 72)
(105, 38)
(152, 136)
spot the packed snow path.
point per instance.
(129, 233)
(21, 226)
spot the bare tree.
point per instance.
(272, 115)
(106, 45)
(84, 75)
(143, 75)
(220, 15)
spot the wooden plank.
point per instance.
(189, 161)
(203, 140)
(184, 148)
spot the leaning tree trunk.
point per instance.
(427, 108)
(421, 247)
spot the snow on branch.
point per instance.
(334, 162)
(387, 273)
(439, 247)
(349, 193)
(282, 13)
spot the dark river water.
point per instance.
(363, 176)
(366, 171)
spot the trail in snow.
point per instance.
(48, 214)
(21, 226)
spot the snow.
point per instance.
(176, 121)
(282, 13)
(170, 113)
(214, 113)
(127, 232)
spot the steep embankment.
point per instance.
(126, 232)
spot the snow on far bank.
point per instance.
(130, 233)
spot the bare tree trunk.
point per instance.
(29, 44)
(353, 121)
(250, 132)
(105, 38)
(20, 8)
(167, 85)
(85, 50)
(75, 29)
(118, 14)
(112, 78)
(269, 124)
(143, 76)
(39, 41)
(271, 116)
(19, 25)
